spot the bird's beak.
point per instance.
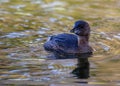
(72, 30)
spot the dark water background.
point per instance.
(25, 26)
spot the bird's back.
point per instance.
(67, 43)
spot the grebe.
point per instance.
(70, 45)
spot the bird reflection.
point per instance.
(82, 69)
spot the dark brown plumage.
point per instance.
(70, 45)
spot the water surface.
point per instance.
(25, 26)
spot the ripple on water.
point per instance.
(14, 35)
(4, 1)
(26, 66)
(53, 19)
(53, 4)
(36, 2)
(18, 6)
(117, 36)
(104, 46)
(25, 33)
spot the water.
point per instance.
(25, 26)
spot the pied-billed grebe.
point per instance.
(65, 45)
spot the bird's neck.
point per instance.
(83, 40)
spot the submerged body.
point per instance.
(70, 45)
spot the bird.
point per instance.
(70, 45)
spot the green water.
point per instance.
(25, 26)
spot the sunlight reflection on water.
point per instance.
(25, 26)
